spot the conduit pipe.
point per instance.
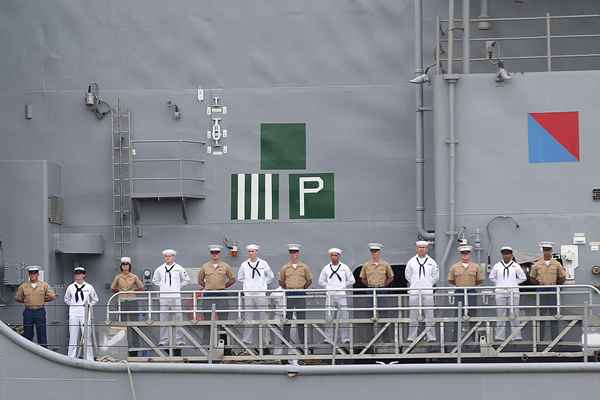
(451, 79)
(419, 134)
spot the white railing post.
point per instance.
(548, 44)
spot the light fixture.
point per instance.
(502, 74)
(493, 54)
(424, 77)
(174, 110)
(93, 102)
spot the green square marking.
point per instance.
(283, 146)
(312, 196)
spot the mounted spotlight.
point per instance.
(91, 97)
(93, 102)
(174, 108)
(424, 77)
(493, 54)
(502, 74)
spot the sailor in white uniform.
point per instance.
(507, 275)
(170, 277)
(422, 273)
(255, 275)
(78, 296)
(335, 277)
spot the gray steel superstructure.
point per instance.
(78, 189)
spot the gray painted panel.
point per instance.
(551, 201)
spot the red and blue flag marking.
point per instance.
(553, 137)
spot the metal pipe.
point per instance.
(466, 17)
(451, 80)
(484, 25)
(450, 36)
(548, 44)
(419, 134)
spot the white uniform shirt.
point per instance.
(78, 295)
(255, 275)
(336, 277)
(170, 279)
(507, 275)
(421, 273)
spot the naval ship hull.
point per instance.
(26, 367)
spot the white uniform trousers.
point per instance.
(173, 305)
(254, 301)
(76, 327)
(332, 301)
(426, 300)
(507, 297)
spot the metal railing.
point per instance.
(375, 323)
(177, 182)
(546, 36)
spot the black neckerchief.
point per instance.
(255, 268)
(421, 266)
(335, 271)
(168, 271)
(79, 290)
(506, 272)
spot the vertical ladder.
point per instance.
(121, 172)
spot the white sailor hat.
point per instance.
(169, 252)
(421, 243)
(546, 245)
(125, 260)
(33, 268)
(335, 250)
(506, 248)
(375, 246)
(465, 248)
(79, 270)
(252, 247)
(214, 247)
(294, 247)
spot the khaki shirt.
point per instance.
(295, 278)
(376, 273)
(126, 283)
(34, 297)
(469, 276)
(212, 278)
(553, 274)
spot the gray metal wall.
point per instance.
(550, 201)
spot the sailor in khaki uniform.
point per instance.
(127, 281)
(79, 296)
(378, 273)
(215, 276)
(466, 273)
(295, 276)
(335, 277)
(34, 294)
(255, 274)
(548, 271)
(421, 273)
(170, 277)
(507, 275)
